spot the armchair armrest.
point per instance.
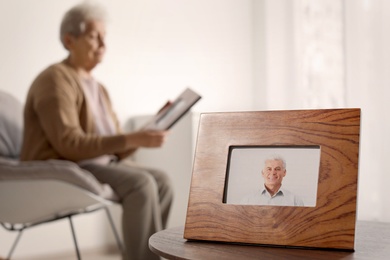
(54, 170)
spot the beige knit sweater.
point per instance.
(58, 123)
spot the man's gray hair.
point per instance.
(276, 157)
(74, 20)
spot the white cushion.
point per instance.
(11, 125)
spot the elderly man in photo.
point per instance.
(273, 193)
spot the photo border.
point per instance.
(331, 224)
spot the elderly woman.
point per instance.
(68, 116)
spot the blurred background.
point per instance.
(239, 55)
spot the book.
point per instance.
(171, 112)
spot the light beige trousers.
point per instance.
(145, 195)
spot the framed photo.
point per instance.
(250, 170)
(279, 178)
(171, 112)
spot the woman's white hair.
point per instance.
(74, 20)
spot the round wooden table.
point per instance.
(372, 241)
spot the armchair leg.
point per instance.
(14, 244)
(74, 238)
(118, 240)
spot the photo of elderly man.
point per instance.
(273, 193)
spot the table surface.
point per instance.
(372, 242)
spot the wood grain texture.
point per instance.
(331, 224)
(372, 242)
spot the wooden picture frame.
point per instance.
(330, 224)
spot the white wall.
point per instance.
(368, 81)
(155, 49)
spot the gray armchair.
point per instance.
(37, 192)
